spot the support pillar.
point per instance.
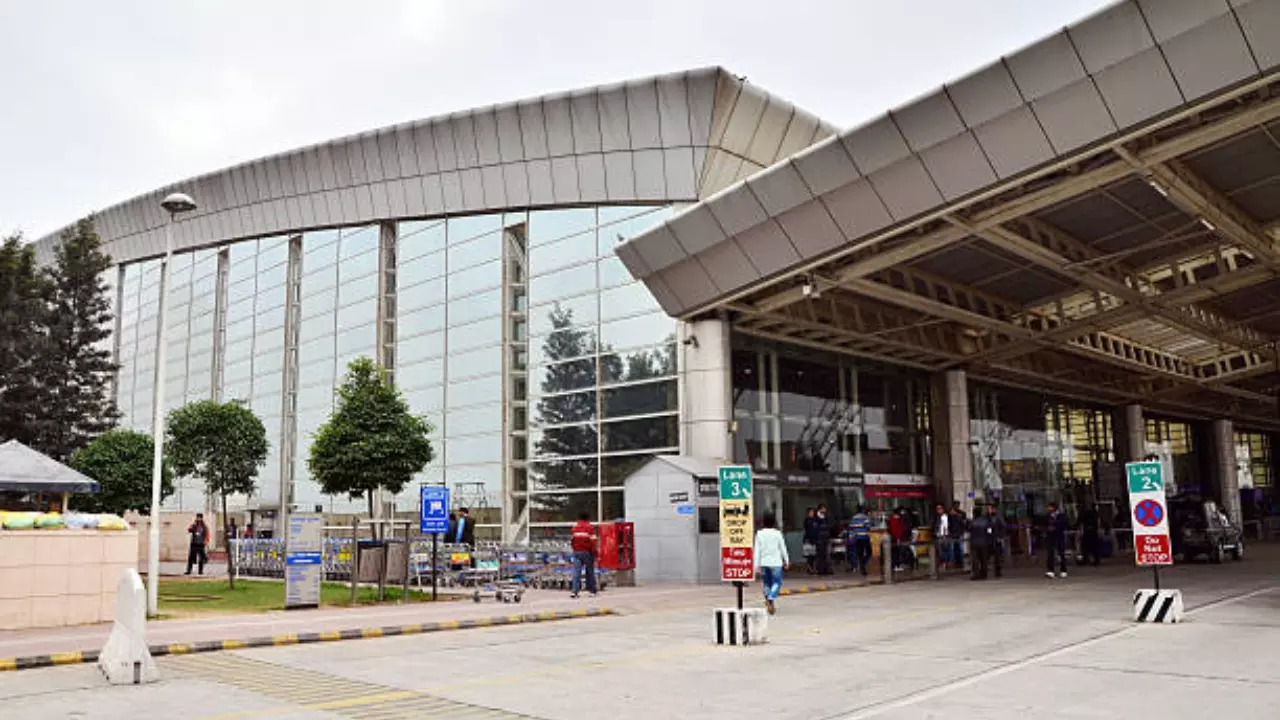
(706, 393)
(1226, 481)
(1130, 430)
(953, 453)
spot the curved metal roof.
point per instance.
(671, 138)
(1096, 213)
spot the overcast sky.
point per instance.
(101, 101)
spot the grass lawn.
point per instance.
(178, 597)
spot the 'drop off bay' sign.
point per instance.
(737, 533)
(1149, 513)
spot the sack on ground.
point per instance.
(49, 521)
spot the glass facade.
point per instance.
(1256, 476)
(542, 358)
(1173, 442)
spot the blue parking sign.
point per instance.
(435, 509)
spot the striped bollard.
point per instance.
(1157, 606)
(748, 626)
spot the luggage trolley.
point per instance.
(487, 577)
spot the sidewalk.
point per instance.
(538, 606)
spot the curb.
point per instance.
(79, 657)
(824, 587)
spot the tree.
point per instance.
(556, 411)
(372, 440)
(75, 367)
(225, 445)
(120, 460)
(22, 311)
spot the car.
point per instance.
(1199, 527)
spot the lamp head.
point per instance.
(178, 203)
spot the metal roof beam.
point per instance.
(1237, 121)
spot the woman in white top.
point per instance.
(771, 558)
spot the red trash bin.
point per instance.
(617, 546)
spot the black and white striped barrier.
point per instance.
(1157, 606)
(749, 626)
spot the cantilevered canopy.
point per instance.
(25, 470)
(1095, 215)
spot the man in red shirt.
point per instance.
(584, 554)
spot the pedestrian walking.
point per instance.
(584, 555)
(1057, 545)
(771, 559)
(981, 535)
(959, 525)
(998, 532)
(942, 535)
(809, 546)
(860, 540)
(1090, 537)
(822, 541)
(199, 533)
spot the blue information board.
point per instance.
(435, 509)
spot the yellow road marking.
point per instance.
(67, 658)
(7, 664)
(330, 636)
(234, 644)
(371, 632)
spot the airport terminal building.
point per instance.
(1003, 290)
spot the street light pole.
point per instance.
(173, 204)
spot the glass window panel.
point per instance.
(642, 399)
(421, 295)
(490, 477)
(561, 314)
(357, 314)
(418, 238)
(474, 421)
(610, 214)
(560, 508)
(473, 307)
(272, 253)
(241, 251)
(637, 365)
(563, 283)
(412, 349)
(563, 346)
(413, 271)
(642, 330)
(561, 409)
(358, 266)
(562, 377)
(629, 222)
(320, 373)
(573, 250)
(473, 450)
(322, 283)
(269, 321)
(314, 327)
(239, 370)
(613, 506)
(577, 473)
(269, 341)
(240, 349)
(613, 273)
(485, 332)
(315, 348)
(475, 392)
(640, 434)
(484, 361)
(564, 441)
(475, 279)
(354, 241)
(474, 252)
(415, 322)
(202, 324)
(358, 340)
(426, 401)
(465, 228)
(415, 373)
(242, 290)
(614, 470)
(240, 329)
(627, 300)
(270, 298)
(546, 225)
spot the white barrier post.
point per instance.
(1157, 606)
(126, 660)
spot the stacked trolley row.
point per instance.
(500, 570)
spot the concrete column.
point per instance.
(706, 394)
(1225, 480)
(953, 454)
(1130, 429)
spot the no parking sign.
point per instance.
(1149, 513)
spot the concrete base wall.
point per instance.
(55, 578)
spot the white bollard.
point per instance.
(748, 626)
(125, 659)
(1157, 606)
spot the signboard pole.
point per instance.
(434, 513)
(740, 585)
(435, 565)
